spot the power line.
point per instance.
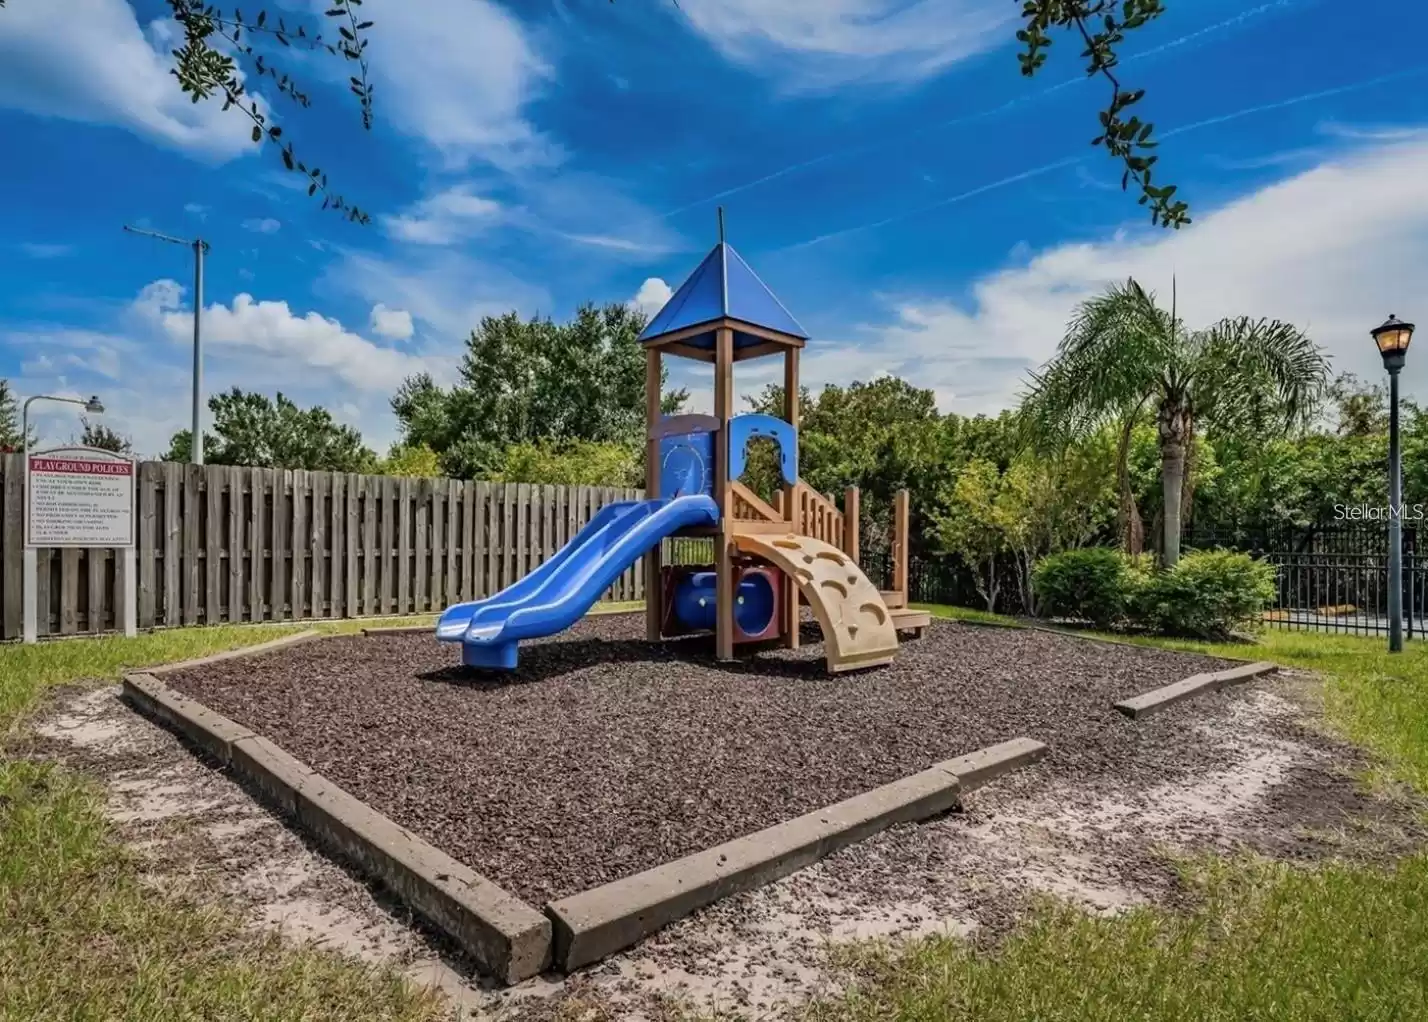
(952, 122)
(1070, 160)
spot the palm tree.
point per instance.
(1122, 354)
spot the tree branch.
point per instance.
(1124, 139)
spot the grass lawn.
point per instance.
(81, 938)
(1267, 941)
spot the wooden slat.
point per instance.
(117, 603)
(510, 556)
(455, 541)
(421, 545)
(213, 589)
(523, 533)
(44, 603)
(235, 561)
(369, 497)
(492, 504)
(318, 484)
(260, 483)
(470, 567)
(95, 562)
(386, 579)
(279, 541)
(147, 554)
(437, 537)
(404, 546)
(12, 554)
(69, 591)
(298, 542)
(352, 542)
(173, 534)
(337, 547)
(192, 521)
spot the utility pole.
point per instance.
(199, 247)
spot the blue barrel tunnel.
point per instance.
(754, 603)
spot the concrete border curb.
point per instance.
(507, 937)
(1158, 699)
(603, 920)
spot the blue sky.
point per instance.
(919, 206)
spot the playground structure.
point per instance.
(769, 559)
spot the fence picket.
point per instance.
(192, 521)
(227, 543)
(317, 544)
(259, 485)
(147, 554)
(213, 544)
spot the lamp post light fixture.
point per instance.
(199, 247)
(1393, 338)
(30, 595)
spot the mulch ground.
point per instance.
(605, 755)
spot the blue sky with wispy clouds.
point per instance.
(922, 208)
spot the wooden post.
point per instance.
(850, 523)
(899, 544)
(788, 505)
(723, 543)
(654, 607)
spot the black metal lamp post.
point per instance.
(1392, 339)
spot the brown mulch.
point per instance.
(605, 755)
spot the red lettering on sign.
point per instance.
(82, 467)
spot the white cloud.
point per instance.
(457, 74)
(393, 324)
(652, 295)
(823, 43)
(90, 61)
(1333, 250)
(263, 225)
(272, 332)
(140, 363)
(448, 216)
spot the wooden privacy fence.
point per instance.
(220, 544)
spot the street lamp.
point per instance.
(1392, 339)
(199, 247)
(30, 599)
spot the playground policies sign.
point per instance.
(79, 497)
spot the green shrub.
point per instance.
(1094, 584)
(1208, 594)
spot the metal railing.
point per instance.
(1334, 577)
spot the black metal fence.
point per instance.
(946, 580)
(1333, 578)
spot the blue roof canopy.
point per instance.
(723, 287)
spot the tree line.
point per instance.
(1137, 430)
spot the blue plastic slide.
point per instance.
(559, 592)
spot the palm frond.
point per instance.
(1248, 372)
(1113, 354)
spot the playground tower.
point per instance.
(769, 558)
(723, 314)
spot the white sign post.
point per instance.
(79, 497)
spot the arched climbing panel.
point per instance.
(857, 627)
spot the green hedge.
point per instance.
(1092, 585)
(1208, 594)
